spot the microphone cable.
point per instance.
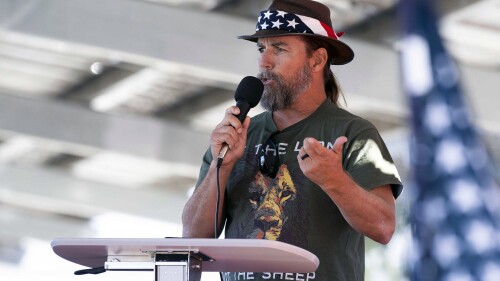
(217, 204)
(219, 164)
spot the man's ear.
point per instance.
(319, 59)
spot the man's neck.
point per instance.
(304, 106)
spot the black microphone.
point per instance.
(247, 96)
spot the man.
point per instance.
(305, 172)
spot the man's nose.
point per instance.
(265, 60)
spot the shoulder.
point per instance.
(349, 123)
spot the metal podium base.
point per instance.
(167, 266)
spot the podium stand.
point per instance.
(183, 259)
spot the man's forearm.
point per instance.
(198, 217)
(372, 213)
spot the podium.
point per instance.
(183, 259)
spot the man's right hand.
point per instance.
(230, 131)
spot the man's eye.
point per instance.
(261, 50)
(279, 50)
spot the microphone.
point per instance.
(247, 96)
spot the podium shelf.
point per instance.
(227, 255)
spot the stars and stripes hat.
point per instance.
(301, 17)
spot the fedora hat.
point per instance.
(305, 18)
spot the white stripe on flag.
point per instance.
(314, 25)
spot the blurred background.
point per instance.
(106, 108)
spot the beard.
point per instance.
(282, 92)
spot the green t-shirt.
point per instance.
(292, 209)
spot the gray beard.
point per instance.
(283, 92)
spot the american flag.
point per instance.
(454, 215)
(280, 20)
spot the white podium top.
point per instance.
(230, 255)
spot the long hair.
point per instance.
(332, 86)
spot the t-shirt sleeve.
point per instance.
(369, 163)
(205, 165)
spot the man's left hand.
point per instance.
(322, 165)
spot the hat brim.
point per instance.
(341, 52)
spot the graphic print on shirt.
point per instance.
(268, 198)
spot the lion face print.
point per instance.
(268, 198)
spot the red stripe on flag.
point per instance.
(328, 30)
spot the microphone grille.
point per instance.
(250, 89)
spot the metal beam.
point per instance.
(53, 192)
(20, 222)
(73, 124)
(194, 38)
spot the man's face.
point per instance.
(284, 70)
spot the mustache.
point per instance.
(269, 75)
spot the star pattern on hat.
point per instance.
(280, 20)
(267, 14)
(292, 23)
(277, 23)
(281, 14)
